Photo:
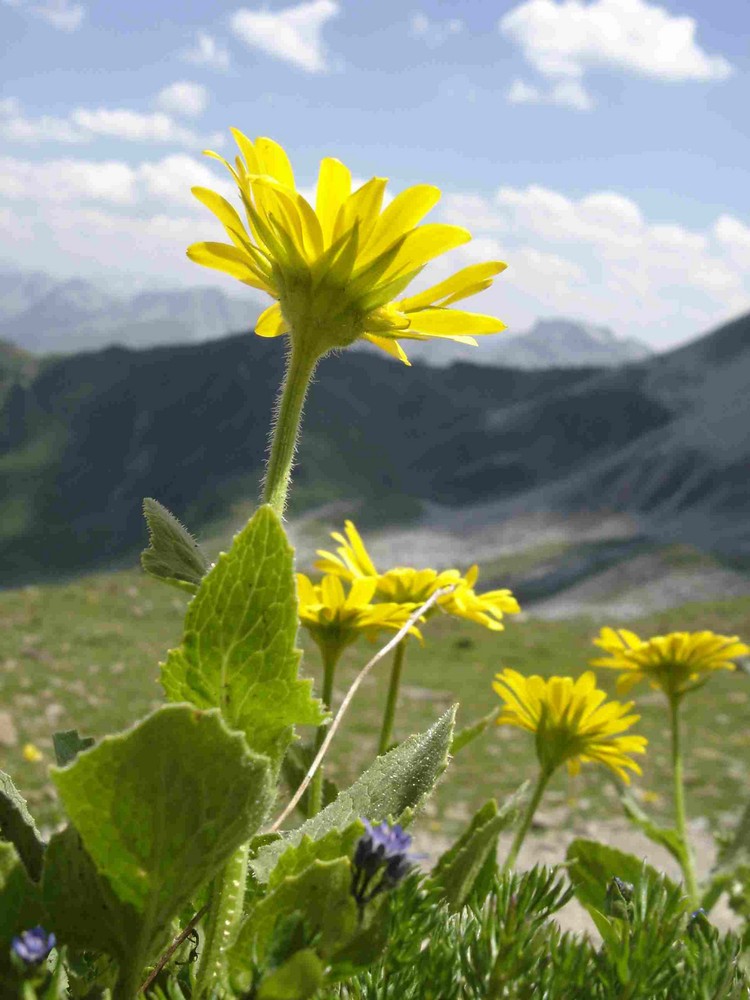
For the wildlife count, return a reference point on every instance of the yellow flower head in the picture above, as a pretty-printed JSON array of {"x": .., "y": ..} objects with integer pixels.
[
  {"x": 572, "y": 721},
  {"x": 674, "y": 663},
  {"x": 32, "y": 753},
  {"x": 336, "y": 619},
  {"x": 352, "y": 561},
  {"x": 336, "y": 270}
]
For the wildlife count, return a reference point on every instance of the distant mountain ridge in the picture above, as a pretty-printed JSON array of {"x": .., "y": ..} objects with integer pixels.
[
  {"x": 42, "y": 315},
  {"x": 85, "y": 437}
]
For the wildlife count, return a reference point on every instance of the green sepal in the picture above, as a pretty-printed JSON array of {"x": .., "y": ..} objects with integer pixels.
[
  {"x": 173, "y": 555},
  {"x": 161, "y": 808},
  {"x": 17, "y": 826},
  {"x": 468, "y": 864},
  {"x": 299, "y": 978},
  {"x": 238, "y": 651},
  {"x": 665, "y": 836},
  {"x": 471, "y": 732},
  {"x": 397, "y": 781},
  {"x": 68, "y": 744}
]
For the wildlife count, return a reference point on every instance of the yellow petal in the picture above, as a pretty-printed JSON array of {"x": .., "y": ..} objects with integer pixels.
[
  {"x": 274, "y": 161},
  {"x": 451, "y": 321},
  {"x": 252, "y": 161},
  {"x": 220, "y": 158},
  {"x": 386, "y": 319},
  {"x": 364, "y": 204},
  {"x": 228, "y": 259},
  {"x": 334, "y": 187},
  {"x": 271, "y": 322},
  {"x": 391, "y": 347},
  {"x": 404, "y": 213},
  {"x": 456, "y": 287},
  {"x": 423, "y": 244}
]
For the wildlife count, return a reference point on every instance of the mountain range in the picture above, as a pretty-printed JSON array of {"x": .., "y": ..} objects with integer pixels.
[
  {"x": 84, "y": 437},
  {"x": 42, "y": 315}
]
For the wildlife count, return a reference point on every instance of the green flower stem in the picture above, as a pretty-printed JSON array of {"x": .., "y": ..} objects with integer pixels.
[
  {"x": 688, "y": 865},
  {"x": 331, "y": 656},
  {"x": 226, "y": 899},
  {"x": 523, "y": 829},
  {"x": 386, "y": 731},
  {"x": 300, "y": 368}
]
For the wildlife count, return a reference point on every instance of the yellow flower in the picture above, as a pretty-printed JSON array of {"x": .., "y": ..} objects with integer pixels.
[
  {"x": 352, "y": 561},
  {"x": 674, "y": 663},
  {"x": 32, "y": 753},
  {"x": 336, "y": 619},
  {"x": 337, "y": 270},
  {"x": 572, "y": 721}
]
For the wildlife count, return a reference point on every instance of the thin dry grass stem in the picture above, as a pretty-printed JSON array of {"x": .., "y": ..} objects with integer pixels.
[{"x": 391, "y": 644}]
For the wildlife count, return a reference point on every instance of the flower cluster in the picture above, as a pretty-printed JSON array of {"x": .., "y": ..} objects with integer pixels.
[
  {"x": 381, "y": 860},
  {"x": 32, "y": 947}
]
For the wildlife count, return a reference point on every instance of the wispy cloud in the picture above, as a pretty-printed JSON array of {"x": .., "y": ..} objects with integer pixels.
[
  {"x": 294, "y": 34},
  {"x": 60, "y": 14},
  {"x": 183, "y": 98},
  {"x": 207, "y": 52},
  {"x": 564, "y": 93},
  {"x": 434, "y": 32}
]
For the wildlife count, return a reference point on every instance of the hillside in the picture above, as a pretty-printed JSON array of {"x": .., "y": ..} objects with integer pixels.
[{"x": 91, "y": 434}]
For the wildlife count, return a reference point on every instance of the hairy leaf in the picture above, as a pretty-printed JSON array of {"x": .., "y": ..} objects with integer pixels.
[
  {"x": 297, "y": 979},
  {"x": 396, "y": 782},
  {"x": 238, "y": 652},
  {"x": 18, "y": 827},
  {"x": 173, "y": 554},
  {"x": 162, "y": 807}
]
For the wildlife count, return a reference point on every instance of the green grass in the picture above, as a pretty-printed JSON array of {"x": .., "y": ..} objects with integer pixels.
[{"x": 85, "y": 655}]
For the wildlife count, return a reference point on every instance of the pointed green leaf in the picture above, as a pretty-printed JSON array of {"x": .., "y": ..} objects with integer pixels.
[
  {"x": 397, "y": 781},
  {"x": 173, "y": 554},
  {"x": 592, "y": 866},
  {"x": 18, "y": 827},
  {"x": 666, "y": 836},
  {"x": 238, "y": 652},
  {"x": 469, "y": 733},
  {"x": 458, "y": 870},
  {"x": 161, "y": 808},
  {"x": 68, "y": 744}
]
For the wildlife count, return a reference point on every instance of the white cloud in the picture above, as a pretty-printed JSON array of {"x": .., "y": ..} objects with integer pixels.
[
  {"x": 434, "y": 33},
  {"x": 599, "y": 258},
  {"x": 207, "y": 52},
  {"x": 183, "y": 98},
  {"x": 60, "y": 14},
  {"x": 171, "y": 179},
  {"x": 567, "y": 38},
  {"x": 68, "y": 181},
  {"x": 84, "y": 124},
  {"x": 293, "y": 34},
  {"x": 563, "y": 93}
]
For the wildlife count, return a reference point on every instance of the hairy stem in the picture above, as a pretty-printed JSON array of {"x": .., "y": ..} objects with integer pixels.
[
  {"x": 225, "y": 912},
  {"x": 528, "y": 816},
  {"x": 315, "y": 795},
  {"x": 688, "y": 865},
  {"x": 386, "y": 731},
  {"x": 285, "y": 431}
]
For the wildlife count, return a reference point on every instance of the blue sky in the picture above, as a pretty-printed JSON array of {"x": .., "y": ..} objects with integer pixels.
[{"x": 599, "y": 146}]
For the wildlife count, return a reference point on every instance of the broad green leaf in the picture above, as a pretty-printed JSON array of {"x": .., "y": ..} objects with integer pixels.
[
  {"x": 68, "y": 744},
  {"x": 20, "y": 909},
  {"x": 591, "y": 867},
  {"x": 161, "y": 808},
  {"x": 81, "y": 904},
  {"x": 469, "y": 733},
  {"x": 297, "y": 979},
  {"x": 457, "y": 871},
  {"x": 396, "y": 782},
  {"x": 666, "y": 836},
  {"x": 173, "y": 554},
  {"x": 18, "y": 827},
  {"x": 238, "y": 652}
]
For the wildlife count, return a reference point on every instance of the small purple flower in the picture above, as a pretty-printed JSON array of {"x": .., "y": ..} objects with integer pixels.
[
  {"x": 383, "y": 850},
  {"x": 33, "y": 946}
]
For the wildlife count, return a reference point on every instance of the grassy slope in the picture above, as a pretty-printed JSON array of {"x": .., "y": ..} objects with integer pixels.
[{"x": 85, "y": 655}]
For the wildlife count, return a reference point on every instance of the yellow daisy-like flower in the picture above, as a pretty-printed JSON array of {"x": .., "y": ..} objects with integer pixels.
[
  {"x": 336, "y": 619},
  {"x": 572, "y": 721},
  {"x": 352, "y": 561},
  {"x": 32, "y": 753},
  {"x": 336, "y": 270},
  {"x": 675, "y": 663}
]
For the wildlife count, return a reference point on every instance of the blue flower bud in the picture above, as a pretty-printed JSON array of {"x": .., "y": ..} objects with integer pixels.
[
  {"x": 381, "y": 850},
  {"x": 33, "y": 946}
]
